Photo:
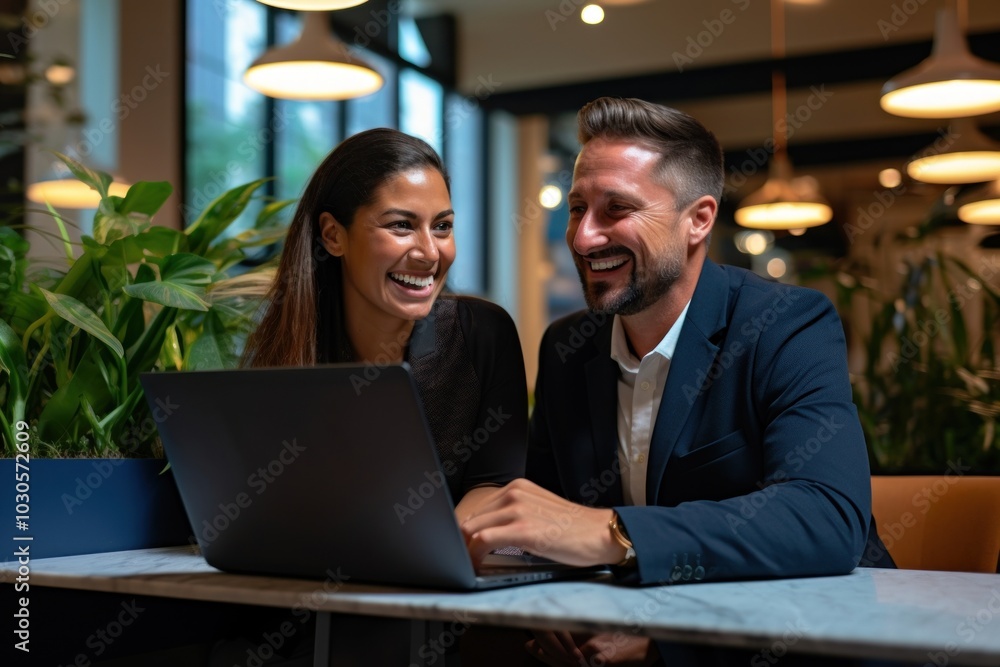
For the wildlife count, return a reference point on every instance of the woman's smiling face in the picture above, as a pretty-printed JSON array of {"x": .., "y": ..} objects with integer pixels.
[{"x": 397, "y": 251}]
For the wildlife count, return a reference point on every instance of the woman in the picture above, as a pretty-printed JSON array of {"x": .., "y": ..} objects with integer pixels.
[{"x": 364, "y": 264}]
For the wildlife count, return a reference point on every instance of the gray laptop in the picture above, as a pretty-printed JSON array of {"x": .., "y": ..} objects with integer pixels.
[{"x": 319, "y": 472}]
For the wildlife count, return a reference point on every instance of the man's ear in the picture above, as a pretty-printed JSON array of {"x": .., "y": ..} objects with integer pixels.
[
  {"x": 703, "y": 214},
  {"x": 333, "y": 234}
]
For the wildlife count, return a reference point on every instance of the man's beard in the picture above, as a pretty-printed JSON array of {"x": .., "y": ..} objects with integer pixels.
[{"x": 641, "y": 291}]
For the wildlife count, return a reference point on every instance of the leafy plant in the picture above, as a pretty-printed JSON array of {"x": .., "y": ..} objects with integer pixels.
[
  {"x": 928, "y": 388},
  {"x": 138, "y": 297}
]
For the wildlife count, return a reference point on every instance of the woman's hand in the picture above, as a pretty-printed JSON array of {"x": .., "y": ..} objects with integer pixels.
[{"x": 471, "y": 502}]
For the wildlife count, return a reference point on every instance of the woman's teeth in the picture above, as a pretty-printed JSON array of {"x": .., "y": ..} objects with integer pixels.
[{"x": 416, "y": 281}]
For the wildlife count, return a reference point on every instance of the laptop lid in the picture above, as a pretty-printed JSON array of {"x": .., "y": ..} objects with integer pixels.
[{"x": 314, "y": 472}]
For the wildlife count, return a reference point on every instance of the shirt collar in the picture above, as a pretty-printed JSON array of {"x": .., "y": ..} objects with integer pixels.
[{"x": 627, "y": 361}]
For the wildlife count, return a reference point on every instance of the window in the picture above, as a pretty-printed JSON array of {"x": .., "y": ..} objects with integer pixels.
[
  {"x": 235, "y": 135},
  {"x": 421, "y": 106},
  {"x": 228, "y": 129}
]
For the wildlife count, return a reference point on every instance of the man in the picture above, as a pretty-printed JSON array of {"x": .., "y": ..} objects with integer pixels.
[{"x": 696, "y": 423}]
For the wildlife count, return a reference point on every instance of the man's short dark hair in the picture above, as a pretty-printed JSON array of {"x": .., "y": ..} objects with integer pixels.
[{"x": 691, "y": 157}]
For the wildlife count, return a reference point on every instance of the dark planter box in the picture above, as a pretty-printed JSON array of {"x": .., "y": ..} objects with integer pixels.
[{"x": 82, "y": 506}]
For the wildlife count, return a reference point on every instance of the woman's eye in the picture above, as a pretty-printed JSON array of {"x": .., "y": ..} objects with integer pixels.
[
  {"x": 401, "y": 224},
  {"x": 444, "y": 226}
]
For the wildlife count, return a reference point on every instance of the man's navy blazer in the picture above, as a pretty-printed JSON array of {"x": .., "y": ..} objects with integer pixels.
[{"x": 757, "y": 465}]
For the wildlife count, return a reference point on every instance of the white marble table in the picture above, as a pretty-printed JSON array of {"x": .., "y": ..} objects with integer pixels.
[{"x": 898, "y": 614}]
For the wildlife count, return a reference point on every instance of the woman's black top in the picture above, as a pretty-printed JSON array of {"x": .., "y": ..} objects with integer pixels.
[{"x": 467, "y": 362}]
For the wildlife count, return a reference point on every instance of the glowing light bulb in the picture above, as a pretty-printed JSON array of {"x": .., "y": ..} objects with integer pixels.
[{"x": 592, "y": 14}]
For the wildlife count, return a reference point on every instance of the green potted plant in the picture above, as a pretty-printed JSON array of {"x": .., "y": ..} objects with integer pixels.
[
  {"x": 136, "y": 297},
  {"x": 928, "y": 384}
]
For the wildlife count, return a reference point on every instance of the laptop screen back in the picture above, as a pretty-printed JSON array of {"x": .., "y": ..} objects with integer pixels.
[{"x": 311, "y": 472}]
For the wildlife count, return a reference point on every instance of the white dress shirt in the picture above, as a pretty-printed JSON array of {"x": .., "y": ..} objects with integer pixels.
[{"x": 640, "y": 390}]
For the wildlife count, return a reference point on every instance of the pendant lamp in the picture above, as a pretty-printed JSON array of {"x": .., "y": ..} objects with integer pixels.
[
  {"x": 316, "y": 66},
  {"x": 971, "y": 157},
  {"x": 951, "y": 83},
  {"x": 60, "y": 189},
  {"x": 313, "y": 5},
  {"x": 982, "y": 205},
  {"x": 783, "y": 202}
]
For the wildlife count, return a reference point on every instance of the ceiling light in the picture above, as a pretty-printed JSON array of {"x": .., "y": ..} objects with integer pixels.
[
  {"x": 316, "y": 66},
  {"x": 981, "y": 206},
  {"x": 776, "y": 267},
  {"x": 783, "y": 202},
  {"x": 592, "y": 14},
  {"x": 550, "y": 196},
  {"x": 890, "y": 178},
  {"x": 971, "y": 158},
  {"x": 59, "y": 75},
  {"x": 950, "y": 83},
  {"x": 756, "y": 243},
  {"x": 70, "y": 193},
  {"x": 753, "y": 242},
  {"x": 313, "y": 5}
]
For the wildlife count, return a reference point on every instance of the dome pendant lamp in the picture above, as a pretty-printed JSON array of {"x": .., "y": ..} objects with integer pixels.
[
  {"x": 968, "y": 157},
  {"x": 783, "y": 202},
  {"x": 982, "y": 205},
  {"x": 951, "y": 83},
  {"x": 316, "y": 66},
  {"x": 313, "y": 5}
]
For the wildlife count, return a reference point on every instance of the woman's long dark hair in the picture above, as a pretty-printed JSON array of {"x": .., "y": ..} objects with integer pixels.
[{"x": 303, "y": 323}]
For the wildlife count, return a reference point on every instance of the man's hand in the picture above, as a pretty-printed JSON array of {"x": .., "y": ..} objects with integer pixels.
[
  {"x": 525, "y": 515},
  {"x": 572, "y": 649}
]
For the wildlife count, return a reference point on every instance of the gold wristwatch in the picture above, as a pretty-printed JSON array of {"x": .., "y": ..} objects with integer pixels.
[{"x": 618, "y": 533}]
